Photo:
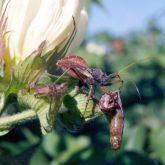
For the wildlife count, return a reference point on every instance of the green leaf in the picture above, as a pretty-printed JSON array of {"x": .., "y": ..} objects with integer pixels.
[
  {"x": 29, "y": 70},
  {"x": 39, "y": 157},
  {"x": 2, "y": 101},
  {"x": 5, "y": 129},
  {"x": 135, "y": 158},
  {"x": 135, "y": 137},
  {"x": 157, "y": 143},
  {"x": 51, "y": 143},
  {"x": 72, "y": 114},
  {"x": 45, "y": 108},
  {"x": 73, "y": 148}
]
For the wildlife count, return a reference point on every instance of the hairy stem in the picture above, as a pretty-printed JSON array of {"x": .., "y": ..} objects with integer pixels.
[{"x": 17, "y": 118}]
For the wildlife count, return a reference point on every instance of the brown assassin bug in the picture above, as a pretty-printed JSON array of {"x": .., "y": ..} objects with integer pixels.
[
  {"x": 78, "y": 68},
  {"x": 110, "y": 104}
]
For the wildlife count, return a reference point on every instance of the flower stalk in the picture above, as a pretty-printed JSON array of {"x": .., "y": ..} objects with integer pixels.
[{"x": 17, "y": 118}]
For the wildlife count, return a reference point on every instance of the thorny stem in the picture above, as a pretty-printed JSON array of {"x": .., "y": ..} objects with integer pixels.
[{"x": 17, "y": 118}]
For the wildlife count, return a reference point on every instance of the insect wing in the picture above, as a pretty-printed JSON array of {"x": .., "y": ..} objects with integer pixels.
[
  {"x": 75, "y": 59},
  {"x": 75, "y": 66}
]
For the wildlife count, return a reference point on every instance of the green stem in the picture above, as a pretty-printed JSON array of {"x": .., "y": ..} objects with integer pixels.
[{"x": 17, "y": 118}]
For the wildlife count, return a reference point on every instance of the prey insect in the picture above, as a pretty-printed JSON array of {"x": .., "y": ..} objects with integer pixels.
[
  {"x": 110, "y": 103},
  {"x": 52, "y": 95},
  {"x": 78, "y": 68},
  {"x": 49, "y": 90}
]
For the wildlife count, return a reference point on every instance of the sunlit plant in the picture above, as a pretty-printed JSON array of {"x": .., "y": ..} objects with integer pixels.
[
  {"x": 34, "y": 38},
  {"x": 34, "y": 35}
]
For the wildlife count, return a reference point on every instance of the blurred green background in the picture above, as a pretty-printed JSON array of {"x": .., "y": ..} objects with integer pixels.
[{"x": 144, "y": 130}]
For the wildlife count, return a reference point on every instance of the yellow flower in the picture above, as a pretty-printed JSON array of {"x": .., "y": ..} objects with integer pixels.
[{"x": 30, "y": 22}]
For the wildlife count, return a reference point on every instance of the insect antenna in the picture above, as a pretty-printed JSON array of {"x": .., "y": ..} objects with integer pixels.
[
  {"x": 133, "y": 64},
  {"x": 61, "y": 75},
  {"x": 136, "y": 87},
  {"x": 121, "y": 72}
]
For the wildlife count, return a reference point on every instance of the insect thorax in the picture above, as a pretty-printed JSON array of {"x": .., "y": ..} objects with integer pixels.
[{"x": 100, "y": 78}]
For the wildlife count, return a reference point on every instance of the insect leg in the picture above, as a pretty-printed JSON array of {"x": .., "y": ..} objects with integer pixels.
[
  {"x": 105, "y": 89},
  {"x": 81, "y": 82},
  {"x": 115, "y": 75},
  {"x": 90, "y": 94},
  {"x": 79, "y": 85},
  {"x": 115, "y": 82}
]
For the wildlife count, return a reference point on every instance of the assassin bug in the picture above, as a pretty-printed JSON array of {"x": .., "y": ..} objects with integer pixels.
[
  {"x": 77, "y": 67},
  {"x": 110, "y": 103}
]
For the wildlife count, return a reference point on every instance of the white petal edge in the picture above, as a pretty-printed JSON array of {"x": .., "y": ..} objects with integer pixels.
[{"x": 56, "y": 30}]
